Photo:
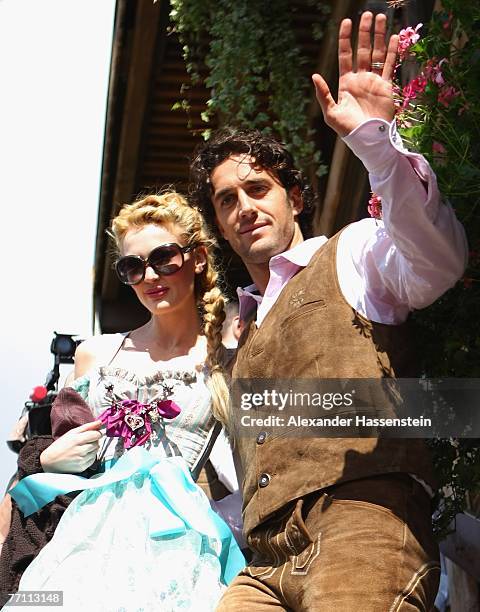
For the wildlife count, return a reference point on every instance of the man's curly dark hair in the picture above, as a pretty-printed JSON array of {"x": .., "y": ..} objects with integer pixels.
[{"x": 269, "y": 154}]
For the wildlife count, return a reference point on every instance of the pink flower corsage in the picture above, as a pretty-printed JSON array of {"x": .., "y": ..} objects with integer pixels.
[{"x": 132, "y": 420}]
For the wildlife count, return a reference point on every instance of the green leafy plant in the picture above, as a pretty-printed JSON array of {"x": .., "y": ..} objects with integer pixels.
[
  {"x": 246, "y": 54},
  {"x": 439, "y": 116}
]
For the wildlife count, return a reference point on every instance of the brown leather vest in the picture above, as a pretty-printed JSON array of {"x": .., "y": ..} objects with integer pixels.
[{"x": 312, "y": 332}]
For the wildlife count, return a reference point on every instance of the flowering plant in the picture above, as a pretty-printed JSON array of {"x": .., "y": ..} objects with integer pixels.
[
  {"x": 439, "y": 116},
  {"x": 407, "y": 38}
]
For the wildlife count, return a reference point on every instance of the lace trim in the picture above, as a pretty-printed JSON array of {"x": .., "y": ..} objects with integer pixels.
[{"x": 186, "y": 376}]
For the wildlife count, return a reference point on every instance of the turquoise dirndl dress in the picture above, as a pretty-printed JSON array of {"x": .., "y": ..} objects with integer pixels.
[{"x": 141, "y": 536}]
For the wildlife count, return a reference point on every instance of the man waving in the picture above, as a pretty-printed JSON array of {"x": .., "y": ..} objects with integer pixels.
[{"x": 334, "y": 523}]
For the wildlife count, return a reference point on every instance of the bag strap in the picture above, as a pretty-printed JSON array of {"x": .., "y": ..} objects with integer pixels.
[
  {"x": 118, "y": 343},
  {"x": 207, "y": 449}
]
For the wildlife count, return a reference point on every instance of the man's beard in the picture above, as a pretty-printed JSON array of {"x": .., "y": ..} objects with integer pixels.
[{"x": 263, "y": 249}]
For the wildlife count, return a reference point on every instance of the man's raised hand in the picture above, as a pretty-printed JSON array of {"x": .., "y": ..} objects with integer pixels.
[{"x": 365, "y": 93}]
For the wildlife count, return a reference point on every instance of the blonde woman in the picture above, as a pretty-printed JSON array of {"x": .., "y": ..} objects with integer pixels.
[{"x": 141, "y": 535}]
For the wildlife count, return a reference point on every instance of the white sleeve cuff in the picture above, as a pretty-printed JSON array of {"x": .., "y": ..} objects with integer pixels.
[{"x": 377, "y": 144}]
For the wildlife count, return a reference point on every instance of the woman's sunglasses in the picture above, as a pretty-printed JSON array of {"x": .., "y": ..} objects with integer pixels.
[{"x": 165, "y": 259}]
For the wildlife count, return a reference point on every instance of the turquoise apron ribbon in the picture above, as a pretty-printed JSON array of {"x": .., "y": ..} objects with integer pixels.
[{"x": 182, "y": 504}]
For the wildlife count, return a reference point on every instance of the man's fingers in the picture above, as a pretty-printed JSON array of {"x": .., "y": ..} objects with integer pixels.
[
  {"x": 323, "y": 94},
  {"x": 379, "y": 46},
  {"x": 364, "y": 48},
  {"x": 345, "y": 47},
  {"x": 391, "y": 59}
]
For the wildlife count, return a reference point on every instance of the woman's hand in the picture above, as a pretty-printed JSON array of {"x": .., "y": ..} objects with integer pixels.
[{"x": 73, "y": 452}]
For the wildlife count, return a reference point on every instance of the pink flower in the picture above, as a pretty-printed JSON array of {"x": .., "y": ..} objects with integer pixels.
[
  {"x": 433, "y": 71},
  {"x": 407, "y": 38},
  {"x": 439, "y": 153},
  {"x": 412, "y": 89},
  {"x": 447, "y": 94},
  {"x": 437, "y": 147},
  {"x": 448, "y": 21},
  {"x": 397, "y": 97},
  {"x": 403, "y": 121},
  {"x": 375, "y": 206}
]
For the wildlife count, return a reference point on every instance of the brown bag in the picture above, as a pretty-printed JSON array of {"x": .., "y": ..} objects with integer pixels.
[{"x": 69, "y": 410}]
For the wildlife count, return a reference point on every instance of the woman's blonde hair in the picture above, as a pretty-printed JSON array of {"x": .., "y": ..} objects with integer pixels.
[{"x": 172, "y": 209}]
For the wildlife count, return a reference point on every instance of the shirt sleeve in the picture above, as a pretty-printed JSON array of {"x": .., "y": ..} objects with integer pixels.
[
  {"x": 221, "y": 458},
  {"x": 418, "y": 251}
]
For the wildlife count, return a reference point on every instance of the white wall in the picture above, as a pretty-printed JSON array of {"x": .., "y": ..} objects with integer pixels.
[{"x": 54, "y": 65}]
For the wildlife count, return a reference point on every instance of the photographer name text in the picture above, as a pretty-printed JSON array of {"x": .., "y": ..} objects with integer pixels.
[{"x": 358, "y": 420}]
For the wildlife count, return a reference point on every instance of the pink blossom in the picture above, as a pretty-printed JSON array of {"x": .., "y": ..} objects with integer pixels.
[
  {"x": 437, "y": 147},
  {"x": 447, "y": 94},
  {"x": 407, "y": 38},
  {"x": 412, "y": 89},
  {"x": 433, "y": 71},
  {"x": 440, "y": 153},
  {"x": 448, "y": 21},
  {"x": 404, "y": 122},
  {"x": 397, "y": 97},
  {"x": 375, "y": 206}
]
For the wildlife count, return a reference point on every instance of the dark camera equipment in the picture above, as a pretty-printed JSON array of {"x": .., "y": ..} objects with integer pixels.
[
  {"x": 38, "y": 408},
  {"x": 63, "y": 347}
]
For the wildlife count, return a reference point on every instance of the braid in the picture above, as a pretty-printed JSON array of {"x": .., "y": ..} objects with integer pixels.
[{"x": 213, "y": 304}]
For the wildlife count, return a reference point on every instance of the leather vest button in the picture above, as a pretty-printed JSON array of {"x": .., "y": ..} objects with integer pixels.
[
  {"x": 264, "y": 480},
  {"x": 262, "y": 436}
]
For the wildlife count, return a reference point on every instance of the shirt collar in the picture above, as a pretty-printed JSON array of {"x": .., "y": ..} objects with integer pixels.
[{"x": 300, "y": 256}]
